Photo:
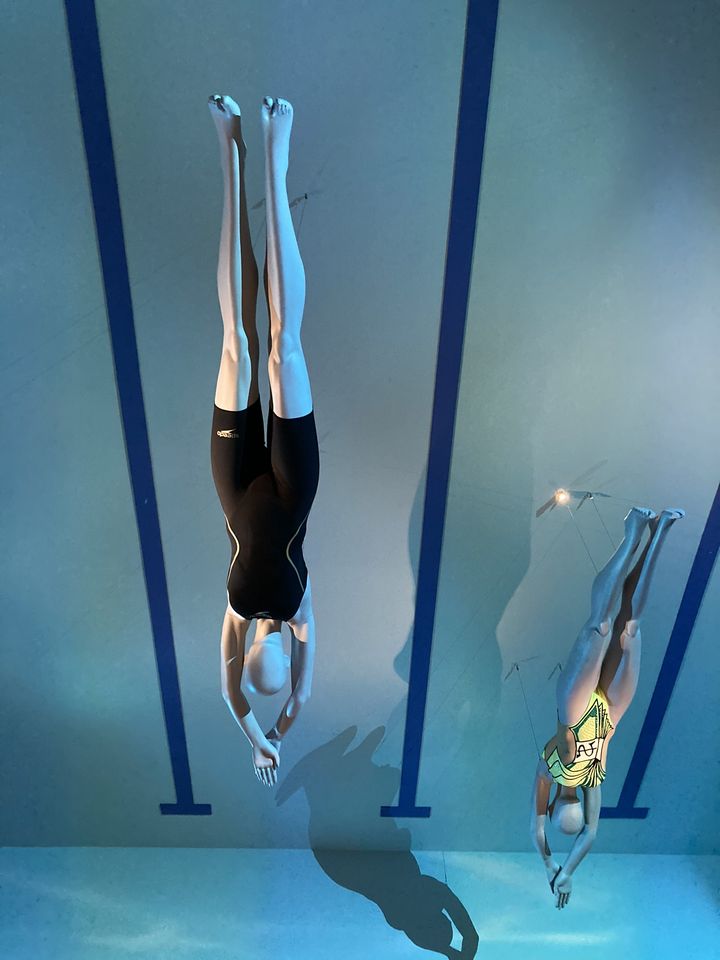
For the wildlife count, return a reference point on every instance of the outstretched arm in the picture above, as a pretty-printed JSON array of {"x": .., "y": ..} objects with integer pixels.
[
  {"x": 232, "y": 645},
  {"x": 538, "y": 815},
  {"x": 583, "y": 841},
  {"x": 302, "y": 626}
]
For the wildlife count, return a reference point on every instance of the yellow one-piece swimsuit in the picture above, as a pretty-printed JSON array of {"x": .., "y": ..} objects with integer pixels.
[{"x": 590, "y": 732}]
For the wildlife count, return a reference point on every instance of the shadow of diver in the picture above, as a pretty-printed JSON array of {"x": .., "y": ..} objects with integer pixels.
[{"x": 344, "y": 792}]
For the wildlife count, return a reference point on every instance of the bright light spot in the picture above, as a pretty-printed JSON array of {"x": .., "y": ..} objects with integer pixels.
[{"x": 562, "y": 497}]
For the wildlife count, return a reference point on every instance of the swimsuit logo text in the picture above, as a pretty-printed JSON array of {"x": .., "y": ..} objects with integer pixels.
[
  {"x": 228, "y": 434},
  {"x": 588, "y": 749}
]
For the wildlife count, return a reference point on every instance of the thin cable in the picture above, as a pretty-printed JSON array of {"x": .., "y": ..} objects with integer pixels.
[
  {"x": 587, "y": 549},
  {"x": 302, "y": 215},
  {"x": 592, "y": 499},
  {"x": 527, "y": 708}
]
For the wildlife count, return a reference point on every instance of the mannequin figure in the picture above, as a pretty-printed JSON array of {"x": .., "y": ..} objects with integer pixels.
[
  {"x": 594, "y": 690},
  {"x": 266, "y": 491}
]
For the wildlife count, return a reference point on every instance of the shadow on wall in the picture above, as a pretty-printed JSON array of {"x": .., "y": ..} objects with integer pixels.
[
  {"x": 345, "y": 790},
  {"x": 486, "y": 555},
  {"x": 401, "y": 662}
]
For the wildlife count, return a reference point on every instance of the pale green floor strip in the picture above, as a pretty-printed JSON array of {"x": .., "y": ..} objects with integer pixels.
[{"x": 153, "y": 904}]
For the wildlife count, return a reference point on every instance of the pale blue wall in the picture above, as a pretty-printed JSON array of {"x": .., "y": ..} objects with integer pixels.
[{"x": 591, "y": 336}]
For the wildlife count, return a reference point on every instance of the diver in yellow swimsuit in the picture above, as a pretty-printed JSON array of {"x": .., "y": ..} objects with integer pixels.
[{"x": 594, "y": 690}]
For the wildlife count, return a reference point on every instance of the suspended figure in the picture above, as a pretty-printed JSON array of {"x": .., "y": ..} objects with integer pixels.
[
  {"x": 594, "y": 690},
  {"x": 267, "y": 485}
]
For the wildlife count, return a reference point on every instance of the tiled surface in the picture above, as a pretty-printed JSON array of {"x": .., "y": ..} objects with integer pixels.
[{"x": 153, "y": 904}]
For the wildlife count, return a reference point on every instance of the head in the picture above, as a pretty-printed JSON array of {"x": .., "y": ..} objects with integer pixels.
[
  {"x": 566, "y": 813},
  {"x": 266, "y": 663}
]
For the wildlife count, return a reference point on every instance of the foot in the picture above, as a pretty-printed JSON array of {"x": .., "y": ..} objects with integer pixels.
[
  {"x": 228, "y": 123},
  {"x": 669, "y": 516},
  {"x": 636, "y": 521},
  {"x": 638, "y": 517},
  {"x": 277, "y": 118}
]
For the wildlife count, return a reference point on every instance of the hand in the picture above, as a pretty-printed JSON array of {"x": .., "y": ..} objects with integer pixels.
[
  {"x": 266, "y": 760},
  {"x": 563, "y": 889},
  {"x": 552, "y": 869}
]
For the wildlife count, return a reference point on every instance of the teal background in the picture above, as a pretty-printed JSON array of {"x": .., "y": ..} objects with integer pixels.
[{"x": 592, "y": 336}]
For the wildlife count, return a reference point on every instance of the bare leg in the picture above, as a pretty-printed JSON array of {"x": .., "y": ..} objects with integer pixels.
[
  {"x": 581, "y": 672},
  {"x": 237, "y": 273},
  {"x": 621, "y": 666},
  {"x": 289, "y": 380}
]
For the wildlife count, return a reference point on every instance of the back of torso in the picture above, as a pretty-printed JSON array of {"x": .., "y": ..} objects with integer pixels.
[
  {"x": 581, "y": 748},
  {"x": 267, "y": 570}
]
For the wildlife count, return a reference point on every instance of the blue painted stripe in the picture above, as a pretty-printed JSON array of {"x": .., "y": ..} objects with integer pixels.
[
  {"x": 92, "y": 103},
  {"x": 469, "y": 147},
  {"x": 695, "y": 588}
]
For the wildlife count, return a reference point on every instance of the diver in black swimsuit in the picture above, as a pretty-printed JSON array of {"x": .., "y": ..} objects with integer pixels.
[{"x": 266, "y": 490}]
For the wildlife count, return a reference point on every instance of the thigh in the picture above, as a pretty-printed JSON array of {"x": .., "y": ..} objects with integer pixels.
[
  {"x": 295, "y": 460},
  {"x": 619, "y": 681},
  {"x": 580, "y": 674},
  {"x": 237, "y": 452},
  {"x": 290, "y": 382},
  {"x": 613, "y": 657}
]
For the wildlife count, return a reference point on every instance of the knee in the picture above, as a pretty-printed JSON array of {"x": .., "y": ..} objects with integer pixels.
[
  {"x": 285, "y": 348},
  {"x": 630, "y": 637},
  {"x": 235, "y": 345},
  {"x": 593, "y": 625}
]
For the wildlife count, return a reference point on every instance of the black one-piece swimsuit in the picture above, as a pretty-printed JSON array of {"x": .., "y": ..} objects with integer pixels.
[{"x": 266, "y": 492}]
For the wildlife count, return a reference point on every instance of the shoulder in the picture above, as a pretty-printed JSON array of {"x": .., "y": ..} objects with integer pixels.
[
  {"x": 234, "y": 623},
  {"x": 304, "y": 614},
  {"x": 231, "y": 614},
  {"x": 541, "y": 770}
]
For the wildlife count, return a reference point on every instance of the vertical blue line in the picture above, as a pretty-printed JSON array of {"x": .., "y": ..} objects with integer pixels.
[
  {"x": 92, "y": 104},
  {"x": 470, "y": 142},
  {"x": 687, "y": 614}
]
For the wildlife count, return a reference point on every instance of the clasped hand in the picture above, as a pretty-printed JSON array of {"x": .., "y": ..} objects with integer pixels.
[
  {"x": 562, "y": 888},
  {"x": 266, "y": 755},
  {"x": 266, "y": 761}
]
